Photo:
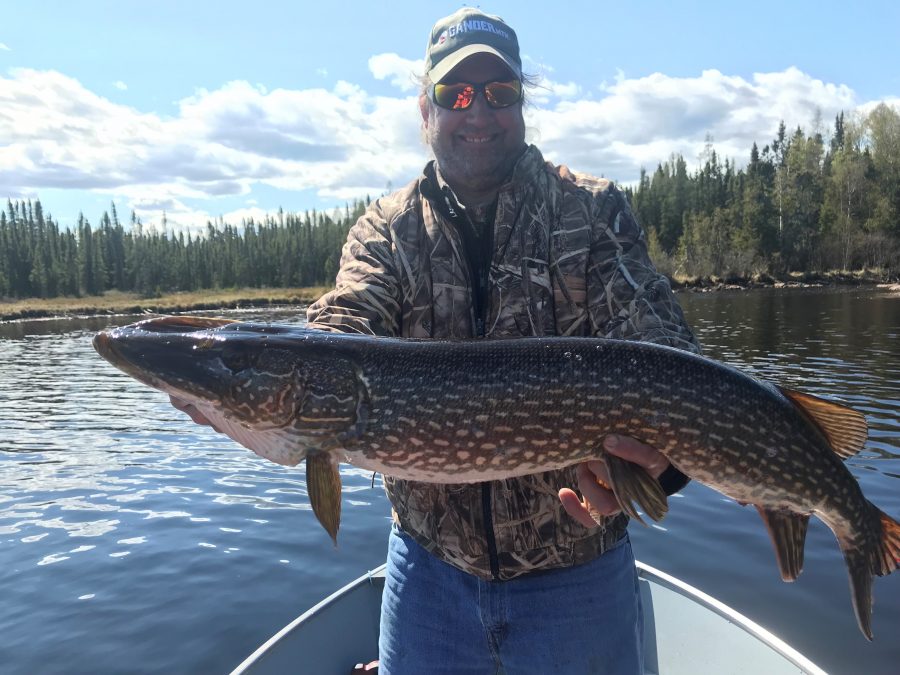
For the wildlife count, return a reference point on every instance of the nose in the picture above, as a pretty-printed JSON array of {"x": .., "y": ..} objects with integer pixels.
[{"x": 479, "y": 113}]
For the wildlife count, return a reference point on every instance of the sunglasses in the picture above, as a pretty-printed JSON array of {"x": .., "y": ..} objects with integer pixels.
[{"x": 461, "y": 95}]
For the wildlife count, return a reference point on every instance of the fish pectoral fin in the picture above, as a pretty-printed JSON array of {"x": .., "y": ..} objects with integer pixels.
[
  {"x": 845, "y": 428},
  {"x": 787, "y": 530},
  {"x": 631, "y": 483},
  {"x": 323, "y": 483}
]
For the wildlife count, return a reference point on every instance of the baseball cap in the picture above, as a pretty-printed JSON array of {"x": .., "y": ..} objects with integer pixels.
[{"x": 465, "y": 32}]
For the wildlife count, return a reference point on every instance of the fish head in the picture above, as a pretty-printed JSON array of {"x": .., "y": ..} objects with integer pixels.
[
  {"x": 260, "y": 376},
  {"x": 209, "y": 363}
]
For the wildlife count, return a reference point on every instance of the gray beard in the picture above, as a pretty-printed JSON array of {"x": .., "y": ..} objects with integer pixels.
[{"x": 479, "y": 174}]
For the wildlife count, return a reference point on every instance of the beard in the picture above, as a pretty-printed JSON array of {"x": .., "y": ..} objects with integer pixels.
[{"x": 476, "y": 166}]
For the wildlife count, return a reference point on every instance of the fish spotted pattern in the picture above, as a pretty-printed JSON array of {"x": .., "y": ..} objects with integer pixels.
[{"x": 513, "y": 407}]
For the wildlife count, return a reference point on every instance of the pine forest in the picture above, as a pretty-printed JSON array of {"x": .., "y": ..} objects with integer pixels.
[{"x": 806, "y": 202}]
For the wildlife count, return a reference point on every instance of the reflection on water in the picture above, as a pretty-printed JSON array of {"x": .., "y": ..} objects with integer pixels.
[{"x": 124, "y": 528}]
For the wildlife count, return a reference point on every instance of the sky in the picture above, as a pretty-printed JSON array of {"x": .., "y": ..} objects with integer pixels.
[{"x": 204, "y": 110}]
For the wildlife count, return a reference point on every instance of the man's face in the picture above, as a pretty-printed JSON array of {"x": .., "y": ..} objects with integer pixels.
[{"x": 475, "y": 148}]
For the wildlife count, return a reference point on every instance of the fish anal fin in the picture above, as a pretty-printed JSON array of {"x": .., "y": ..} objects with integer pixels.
[
  {"x": 845, "y": 428},
  {"x": 631, "y": 483},
  {"x": 787, "y": 530},
  {"x": 323, "y": 484}
]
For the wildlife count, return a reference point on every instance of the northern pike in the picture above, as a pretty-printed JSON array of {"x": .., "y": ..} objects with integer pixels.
[{"x": 478, "y": 410}]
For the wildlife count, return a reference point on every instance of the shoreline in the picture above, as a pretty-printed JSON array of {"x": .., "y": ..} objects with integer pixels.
[{"x": 116, "y": 302}]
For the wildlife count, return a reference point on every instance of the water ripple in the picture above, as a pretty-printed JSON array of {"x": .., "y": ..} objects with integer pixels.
[{"x": 120, "y": 517}]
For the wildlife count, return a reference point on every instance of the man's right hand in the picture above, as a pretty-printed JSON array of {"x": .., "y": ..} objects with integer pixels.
[{"x": 191, "y": 412}]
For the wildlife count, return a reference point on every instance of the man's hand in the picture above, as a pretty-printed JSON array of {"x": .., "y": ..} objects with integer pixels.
[
  {"x": 191, "y": 412},
  {"x": 593, "y": 479}
]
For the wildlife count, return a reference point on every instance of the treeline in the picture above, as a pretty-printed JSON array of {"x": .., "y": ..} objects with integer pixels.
[
  {"x": 38, "y": 258},
  {"x": 801, "y": 204}
]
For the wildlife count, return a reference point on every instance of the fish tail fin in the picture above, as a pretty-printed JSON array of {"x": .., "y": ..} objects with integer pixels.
[
  {"x": 888, "y": 558},
  {"x": 864, "y": 563},
  {"x": 858, "y": 567}
]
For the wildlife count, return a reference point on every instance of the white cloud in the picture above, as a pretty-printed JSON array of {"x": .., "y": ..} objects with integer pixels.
[
  {"x": 547, "y": 89},
  {"x": 322, "y": 72},
  {"x": 642, "y": 121},
  {"x": 220, "y": 142},
  {"x": 401, "y": 72},
  {"x": 4, "y": 48},
  {"x": 121, "y": 86},
  {"x": 344, "y": 142}
]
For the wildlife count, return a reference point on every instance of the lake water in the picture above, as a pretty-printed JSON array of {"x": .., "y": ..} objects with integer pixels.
[{"x": 132, "y": 540}]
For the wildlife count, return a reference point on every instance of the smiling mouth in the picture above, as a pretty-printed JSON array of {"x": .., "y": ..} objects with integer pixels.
[{"x": 479, "y": 139}]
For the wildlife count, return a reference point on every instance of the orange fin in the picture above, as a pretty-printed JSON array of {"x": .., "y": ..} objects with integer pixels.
[
  {"x": 787, "y": 530},
  {"x": 890, "y": 545},
  {"x": 323, "y": 485},
  {"x": 845, "y": 428}
]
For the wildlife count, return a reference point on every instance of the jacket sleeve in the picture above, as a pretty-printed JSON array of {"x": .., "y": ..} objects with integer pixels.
[
  {"x": 366, "y": 295},
  {"x": 627, "y": 298}
]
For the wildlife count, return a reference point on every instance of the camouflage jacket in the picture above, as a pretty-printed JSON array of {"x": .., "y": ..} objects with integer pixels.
[{"x": 568, "y": 259}]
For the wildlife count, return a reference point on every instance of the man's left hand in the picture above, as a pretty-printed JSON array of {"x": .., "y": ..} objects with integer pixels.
[{"x": 593, "y": 479}]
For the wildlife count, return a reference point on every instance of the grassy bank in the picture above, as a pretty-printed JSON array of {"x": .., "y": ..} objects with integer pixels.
[{"x": 115, "y": 302}]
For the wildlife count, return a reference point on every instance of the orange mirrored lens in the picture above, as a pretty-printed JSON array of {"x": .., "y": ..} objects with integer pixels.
[
  {"x": 461, "y": 95},
  {"x": 454, "y": 96}
]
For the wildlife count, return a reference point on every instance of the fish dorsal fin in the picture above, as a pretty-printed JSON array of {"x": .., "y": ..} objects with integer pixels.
[
  {"x": 788, "y": 534},
  {"x": 845, "y": 428}
]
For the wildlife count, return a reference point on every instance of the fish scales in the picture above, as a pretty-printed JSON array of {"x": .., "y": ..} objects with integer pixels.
[{"x": 477, "y": 410}]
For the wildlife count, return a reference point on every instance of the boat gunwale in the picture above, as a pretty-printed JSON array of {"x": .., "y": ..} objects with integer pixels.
[
  {"x": 645, "y": 571},
  {"x": 718, "y": 607}
]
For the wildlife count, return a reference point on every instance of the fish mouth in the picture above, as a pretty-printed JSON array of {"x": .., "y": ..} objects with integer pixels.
[
  {"x": 107, "y": 343},
  {"x": 161, "y": 352}
]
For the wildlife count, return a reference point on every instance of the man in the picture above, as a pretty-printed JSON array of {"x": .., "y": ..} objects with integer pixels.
[
  {"x": 492, "y": 242},
  {"x": 522, "y": 575}
]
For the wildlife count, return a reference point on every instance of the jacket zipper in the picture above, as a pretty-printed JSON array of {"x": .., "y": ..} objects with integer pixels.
[
  {"x": 486, "y": 498},
  {"x": 478, "y": 256}
]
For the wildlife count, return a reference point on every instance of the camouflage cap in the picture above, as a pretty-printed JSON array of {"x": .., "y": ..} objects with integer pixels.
[{"x": 466, "y": 32}]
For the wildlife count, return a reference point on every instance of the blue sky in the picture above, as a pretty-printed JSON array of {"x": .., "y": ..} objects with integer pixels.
[{"x": 207, "y": 109}]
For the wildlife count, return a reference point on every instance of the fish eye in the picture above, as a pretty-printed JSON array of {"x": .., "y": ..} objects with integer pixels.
[{"x": 235, "y": 359}]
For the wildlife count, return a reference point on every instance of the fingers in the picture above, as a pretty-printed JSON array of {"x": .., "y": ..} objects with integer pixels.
[
  {"x": 598, "y": 500},
  {"x": 593, "y": 479},
  {"x": 576, "y": 508},
  {"x": 190, "y": 411},
  {"x": 566, "y": 173},
  {"x": 634, "y": 451},
  {"x": 179, "y": 404},
  {"x": 593, "y": 482}
]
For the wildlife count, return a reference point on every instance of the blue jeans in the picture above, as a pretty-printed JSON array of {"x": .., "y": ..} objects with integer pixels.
[{"x": 437, "y": 619}]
